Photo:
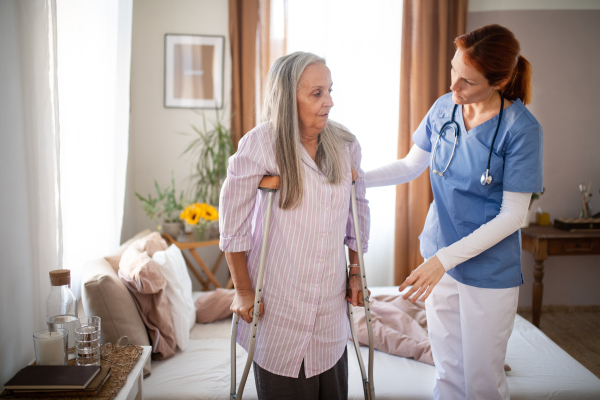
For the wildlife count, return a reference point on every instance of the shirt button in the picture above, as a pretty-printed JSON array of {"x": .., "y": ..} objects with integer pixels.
[
  {"x": 312, "y": 309},
  {"x": 324, "y": 235},
  {"x": 326, "y": 208},
  {"x": 320, "y": 260},
  {"x": 308, "y": 334},
  {"x": 316, "y": 285}
]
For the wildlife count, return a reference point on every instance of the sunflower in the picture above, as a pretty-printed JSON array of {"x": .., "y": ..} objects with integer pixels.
[
  {"x": 211, "y": 213},
  {"x": 194, "y": 212}
]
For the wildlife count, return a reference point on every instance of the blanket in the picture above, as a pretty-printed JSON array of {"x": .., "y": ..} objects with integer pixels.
[{"x": 399, "y": 326}]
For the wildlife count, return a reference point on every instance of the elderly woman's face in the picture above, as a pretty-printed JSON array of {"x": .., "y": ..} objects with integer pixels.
[{"x": 314, "y": 98}]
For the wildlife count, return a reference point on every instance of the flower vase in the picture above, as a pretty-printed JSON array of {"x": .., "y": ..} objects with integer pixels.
[
  {"x": 201, "y": 231},
  {"x": 213, "y": 230}
]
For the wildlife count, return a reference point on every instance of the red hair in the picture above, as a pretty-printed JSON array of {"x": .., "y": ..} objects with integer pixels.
[{"x": 494, "y": 51}]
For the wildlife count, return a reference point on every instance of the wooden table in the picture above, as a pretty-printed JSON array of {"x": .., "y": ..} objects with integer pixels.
[
  {"x": 191, "y": 246},
  {"x": 544, "y": 241}
]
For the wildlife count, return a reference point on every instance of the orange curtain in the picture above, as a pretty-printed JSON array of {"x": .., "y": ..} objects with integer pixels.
[
  {"x": 243, "y": 23},
  {"x": 255, "y": 43},
  {"x": 428, "y": 32},
  {"x": 272, "y": 38}
]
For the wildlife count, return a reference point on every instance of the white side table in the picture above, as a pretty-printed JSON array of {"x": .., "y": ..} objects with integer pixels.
[{"x": 133, "y": 386}]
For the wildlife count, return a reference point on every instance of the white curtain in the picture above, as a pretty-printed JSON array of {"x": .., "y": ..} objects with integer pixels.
[
  {"x": 361, "y": 43},
  {"x": 94, "y": 57},
  {"x": 65, "y": 63},
  {"x": 30, "y": 237}
]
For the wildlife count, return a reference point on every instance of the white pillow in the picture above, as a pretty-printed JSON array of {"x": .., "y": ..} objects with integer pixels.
[{"x": 179, "y": 292}]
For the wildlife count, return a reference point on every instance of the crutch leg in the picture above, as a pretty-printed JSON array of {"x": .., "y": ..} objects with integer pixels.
[
  {"x": 368, "y": 382},
  {"x": 269, "y": 184}
]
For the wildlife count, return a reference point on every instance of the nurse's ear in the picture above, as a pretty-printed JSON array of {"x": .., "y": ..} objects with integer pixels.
[{"x": 500, "y": 85}]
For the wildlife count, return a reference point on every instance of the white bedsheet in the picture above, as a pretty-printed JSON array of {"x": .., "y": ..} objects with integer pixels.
[{"x": 540, "y": 369}]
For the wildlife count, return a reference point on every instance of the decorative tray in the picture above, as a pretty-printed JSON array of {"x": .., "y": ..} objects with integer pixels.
[{"x": 568, "y": 224}]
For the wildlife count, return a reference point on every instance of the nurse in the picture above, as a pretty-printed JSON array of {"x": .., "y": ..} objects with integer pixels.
[{"x": 484, "y": 150}]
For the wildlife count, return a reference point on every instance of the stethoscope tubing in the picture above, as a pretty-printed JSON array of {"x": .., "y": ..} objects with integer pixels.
[{"x": 486, "y": 178}]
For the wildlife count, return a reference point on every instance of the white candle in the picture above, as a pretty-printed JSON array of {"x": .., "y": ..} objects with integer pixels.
[{"x": 51, "y": 348}]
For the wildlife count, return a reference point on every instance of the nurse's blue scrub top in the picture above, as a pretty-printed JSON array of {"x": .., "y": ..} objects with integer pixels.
[{"x": 462, "y": 204}]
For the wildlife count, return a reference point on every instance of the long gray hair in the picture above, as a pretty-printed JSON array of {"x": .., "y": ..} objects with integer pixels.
[{"x": 280, "y": 107}]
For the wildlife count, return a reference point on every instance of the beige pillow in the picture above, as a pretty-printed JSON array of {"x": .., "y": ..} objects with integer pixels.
[
  {"x": 114, "y": 258},
  {"x": 104, "y": 295},
  {"x": 145, "y": 281},
  {"x": 213, "y": 306}
]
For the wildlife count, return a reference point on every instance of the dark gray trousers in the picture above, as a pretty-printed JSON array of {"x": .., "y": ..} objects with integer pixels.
[{"x": 330, "y": 385}]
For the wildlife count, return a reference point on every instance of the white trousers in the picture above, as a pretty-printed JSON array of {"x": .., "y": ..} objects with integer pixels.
[{"x": 469, "y": 329}]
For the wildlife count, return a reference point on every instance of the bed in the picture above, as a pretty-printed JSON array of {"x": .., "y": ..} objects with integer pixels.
[{"x": 540, "y": 369}]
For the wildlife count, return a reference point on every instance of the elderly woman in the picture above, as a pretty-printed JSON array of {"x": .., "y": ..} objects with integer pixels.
[{"x": 301, "y": 341}]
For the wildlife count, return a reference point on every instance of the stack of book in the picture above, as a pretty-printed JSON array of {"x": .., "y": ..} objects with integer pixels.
[{"x": 58, "y": 381}]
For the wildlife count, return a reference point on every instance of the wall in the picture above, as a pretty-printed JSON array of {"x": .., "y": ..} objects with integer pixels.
[
  {"x": 562, "y": 46},
  {"x": 155, "y": 143}
]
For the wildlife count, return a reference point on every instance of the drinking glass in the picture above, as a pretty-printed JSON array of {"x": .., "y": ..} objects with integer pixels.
[{"x": 87, "y": 345}]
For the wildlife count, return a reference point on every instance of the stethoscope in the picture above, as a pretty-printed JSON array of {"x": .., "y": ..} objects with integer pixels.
[{"x": 486, "y": 178}]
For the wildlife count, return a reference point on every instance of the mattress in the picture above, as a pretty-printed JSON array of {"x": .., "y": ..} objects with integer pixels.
[{"x": 540, "y": 369}]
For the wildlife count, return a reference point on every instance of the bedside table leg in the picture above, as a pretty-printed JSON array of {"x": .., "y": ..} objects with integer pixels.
[{"x": 140, "y": 395}]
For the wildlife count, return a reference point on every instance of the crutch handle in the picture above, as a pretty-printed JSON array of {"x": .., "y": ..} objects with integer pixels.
[
  {"x": 354, "y": 175},
  {"x": 251, "y": 311},
  {"x": 269, "y": 182},
  {"x": 359, "y": 296}
]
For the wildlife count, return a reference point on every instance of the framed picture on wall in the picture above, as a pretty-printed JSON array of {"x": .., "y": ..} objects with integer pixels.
[{"x": 194, "y": 71}]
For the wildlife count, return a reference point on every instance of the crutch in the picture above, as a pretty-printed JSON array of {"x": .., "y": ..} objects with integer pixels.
[
  {"x": 368, "y": 387},
  {"x": 268, "y": 184}
]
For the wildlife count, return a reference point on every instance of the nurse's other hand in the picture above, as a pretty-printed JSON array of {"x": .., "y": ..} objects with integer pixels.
[
  {"x": 242, "y": 303},
  {"x": 423, "y": 280}
]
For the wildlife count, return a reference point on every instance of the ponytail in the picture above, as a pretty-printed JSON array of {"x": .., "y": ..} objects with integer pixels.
[{"x": 519, "y": 85}]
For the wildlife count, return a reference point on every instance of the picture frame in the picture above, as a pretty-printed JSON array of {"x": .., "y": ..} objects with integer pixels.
[{"x": 194, "y": 71}]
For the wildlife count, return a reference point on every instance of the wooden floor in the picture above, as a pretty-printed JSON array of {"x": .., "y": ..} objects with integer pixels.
[{"x": 575, "y": 329}]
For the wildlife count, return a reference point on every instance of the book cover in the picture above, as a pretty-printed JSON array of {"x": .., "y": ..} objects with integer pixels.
[
  {"x": 92, "y": 390},
  {"x": 53, "y": 377}
]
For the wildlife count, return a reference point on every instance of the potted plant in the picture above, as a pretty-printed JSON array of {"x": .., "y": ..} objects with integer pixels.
[
  {"x": 210, "y": 149},
  {"x": 164, "y": 208}
]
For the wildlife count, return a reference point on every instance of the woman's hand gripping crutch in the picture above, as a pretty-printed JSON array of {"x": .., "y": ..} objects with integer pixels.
[
  {"x": 363, "y": 295},
  {"x": 268, "y": 184}
]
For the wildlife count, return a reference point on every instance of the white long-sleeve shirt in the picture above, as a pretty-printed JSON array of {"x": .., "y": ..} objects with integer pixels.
[{"x": 512, "y": 210}]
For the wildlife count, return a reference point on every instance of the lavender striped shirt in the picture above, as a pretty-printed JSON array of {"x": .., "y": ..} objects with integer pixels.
[{"x": 305, "y": 274}]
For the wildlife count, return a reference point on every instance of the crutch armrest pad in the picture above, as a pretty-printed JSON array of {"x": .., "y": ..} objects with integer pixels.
[{"x": 269, "y": 182}]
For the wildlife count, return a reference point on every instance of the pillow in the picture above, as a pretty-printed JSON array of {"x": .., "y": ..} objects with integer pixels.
[
  {"x": 104, "y": 295},
  {"x": 179, "y": 292},
  {"x": 214, "y": 305},
  {"x": 145, "y": 281},
  {"x": 114, "y": 258}
]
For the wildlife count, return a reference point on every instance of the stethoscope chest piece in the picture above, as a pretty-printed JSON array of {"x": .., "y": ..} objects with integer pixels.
[{"x": 486, "y": 178}]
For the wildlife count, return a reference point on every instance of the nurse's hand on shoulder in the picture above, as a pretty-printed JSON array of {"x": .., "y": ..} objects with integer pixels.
[{"x": 423, "y": 280}]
